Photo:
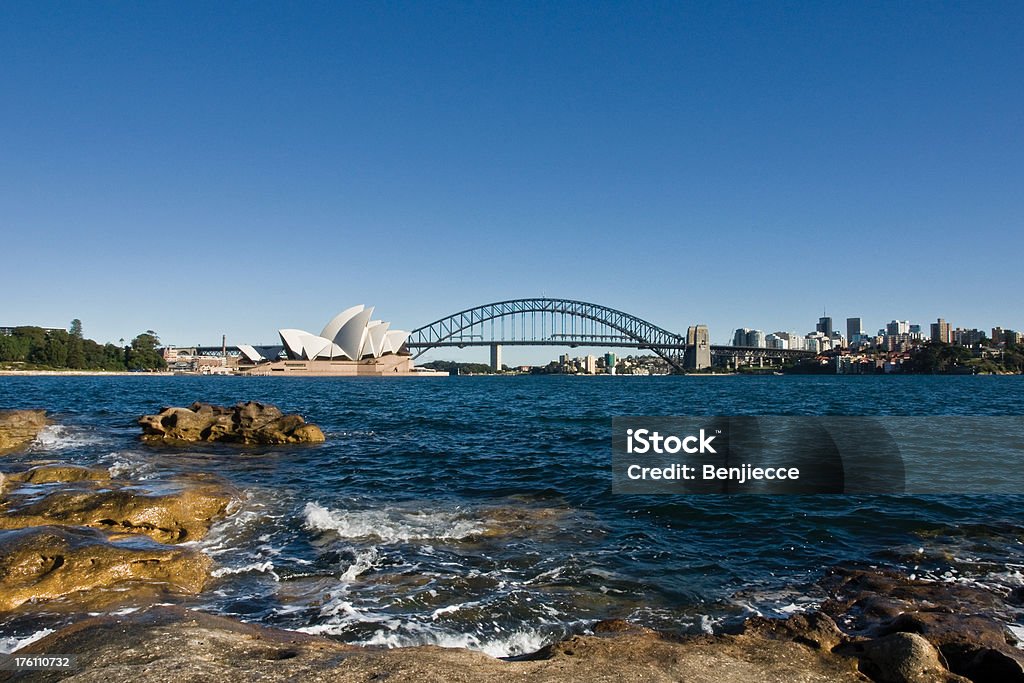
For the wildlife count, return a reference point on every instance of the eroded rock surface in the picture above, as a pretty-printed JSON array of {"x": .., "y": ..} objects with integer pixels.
[
  {"x": 246, "y": 423},
  {"x": 19, "y": 427},
  {"x": 47, "y": 562}
]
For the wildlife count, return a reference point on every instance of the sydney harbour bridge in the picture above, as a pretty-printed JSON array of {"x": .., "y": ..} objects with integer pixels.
[{"x": 565, "y": 322}]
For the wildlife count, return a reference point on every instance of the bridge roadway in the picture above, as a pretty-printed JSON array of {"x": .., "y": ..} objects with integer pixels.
[{"x": 624, "y": 343}]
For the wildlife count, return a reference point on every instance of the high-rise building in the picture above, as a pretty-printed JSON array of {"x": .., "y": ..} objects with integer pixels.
[
  {"x": 854, "y": 330},
  {"x": 824, "y": 326},
  {"x": 755, "y": 339},
  {"x": 739, "y": 337},
  {"x": 897, "y": 327},
  {"x": 964, "y": 337},
  {"x": 609, "y": 363},
  {"x": 941, "y": 332}
]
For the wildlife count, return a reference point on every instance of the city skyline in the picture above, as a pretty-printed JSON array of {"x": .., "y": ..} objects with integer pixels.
[
  {"x": 513, "y": 355},
  {"x": 182, "y": 169}
]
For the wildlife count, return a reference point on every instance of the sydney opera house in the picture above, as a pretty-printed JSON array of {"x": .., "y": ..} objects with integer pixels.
[{"x": 350, "y": 344}]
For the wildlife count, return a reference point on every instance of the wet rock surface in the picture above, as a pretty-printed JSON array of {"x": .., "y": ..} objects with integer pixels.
[
  {"x": 54, "y": 473},
  {"x": 19, "y": 427},
  {"x": 958, "y": 620},
  {"x": 47, "y": 562},
  {"x": 244, "y": 423},
  {"x": 169, "y": 512}
]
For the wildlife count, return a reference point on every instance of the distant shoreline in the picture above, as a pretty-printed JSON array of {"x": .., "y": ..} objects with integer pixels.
[{"x": 85, "y": 373}]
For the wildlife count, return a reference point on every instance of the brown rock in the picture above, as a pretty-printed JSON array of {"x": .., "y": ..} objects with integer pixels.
[
  {"x": 308, "y": 433},
  {"x": 813, "y": 629},
  {"x": 904, "y": 658},
  {"x": 954, "y": 618},
  {"x": 19, "y": 427},
  {"x": 58, "y": 472},
  {"x": 170, "y": 512},
  {"x": 975, "y": 646},
  {"x": 42, "y": 563},
  {"x": 247, "y": 423}
]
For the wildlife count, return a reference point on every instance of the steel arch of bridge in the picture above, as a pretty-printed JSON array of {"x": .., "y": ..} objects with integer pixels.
[{"x": 458, "y": 329}]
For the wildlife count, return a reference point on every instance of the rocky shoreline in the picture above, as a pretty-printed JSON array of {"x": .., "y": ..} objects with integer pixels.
[{"x": 77, "y": 540}]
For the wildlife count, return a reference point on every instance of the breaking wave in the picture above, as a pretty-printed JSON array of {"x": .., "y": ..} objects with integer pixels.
[{"x": 391, "y": 525}]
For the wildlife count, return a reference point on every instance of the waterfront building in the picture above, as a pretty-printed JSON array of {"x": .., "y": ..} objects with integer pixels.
[{"x": 349, "y": 344}]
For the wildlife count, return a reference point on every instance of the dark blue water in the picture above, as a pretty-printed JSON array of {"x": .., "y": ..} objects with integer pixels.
[{"x": 478, "y": 511}]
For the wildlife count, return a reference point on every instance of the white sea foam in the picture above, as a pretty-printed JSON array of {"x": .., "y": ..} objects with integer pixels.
[
  {"x": 128, "y": 465},
  {"x": 12, "y": 643},
  {"x": 59, "y": 437},
  {"x": 395, "y": 633},
  {"x": 258, "y": 567},
  {"x": 390, "y": 525},
  {"x": 365, "y": 561}
]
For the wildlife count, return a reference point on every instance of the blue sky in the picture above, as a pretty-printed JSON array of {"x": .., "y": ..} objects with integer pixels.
[{"x": 212, "y": 168}]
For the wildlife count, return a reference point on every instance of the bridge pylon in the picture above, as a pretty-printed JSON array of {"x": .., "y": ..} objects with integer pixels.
[{"x": 698, "y": 348}]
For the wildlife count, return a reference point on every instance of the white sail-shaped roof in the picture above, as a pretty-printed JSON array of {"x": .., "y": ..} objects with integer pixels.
[
  {"x": 374, "y": 345},
  {"x": 332, "y": 328},
  {"x": 394, "y": 340},
  {"x": 315, "y": 347},
  {"x": 251, "y": 353},
  {"x": 352, "y": 334},
  {"x": 292, "y": 340}
]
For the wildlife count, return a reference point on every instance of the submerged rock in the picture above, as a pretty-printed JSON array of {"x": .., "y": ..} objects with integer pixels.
[
  {"x": 47, "y": 562},
  {"x": 246, "y": 423},
  {"x": 169, "y": 512},
  {"x": 19, "y": 427}
]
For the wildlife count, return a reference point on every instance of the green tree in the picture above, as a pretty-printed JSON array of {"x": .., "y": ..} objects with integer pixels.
[
  {"x": 76, "y": 348},
  {"x": 142, "y": 353}
]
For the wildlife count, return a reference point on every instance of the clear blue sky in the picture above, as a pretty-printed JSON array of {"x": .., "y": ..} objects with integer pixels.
[{"x": 212, "y": 168}]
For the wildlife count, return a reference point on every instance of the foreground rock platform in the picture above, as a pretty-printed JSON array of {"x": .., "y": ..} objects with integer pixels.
[
  {"x": 48, "y": 562},
  {"x": 887, "y": 629},
  {"x": 170, "y": 643},
  {"x": 18, "y": 428},
  {"x": 244, "y": 423}
]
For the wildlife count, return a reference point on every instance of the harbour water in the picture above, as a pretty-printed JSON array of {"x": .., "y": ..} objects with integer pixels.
[{"x": 477, "y": 511}]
